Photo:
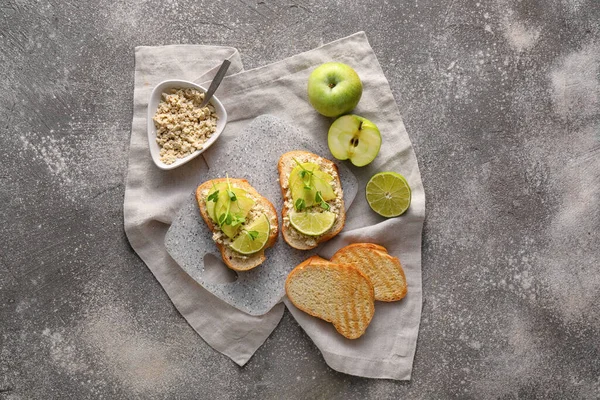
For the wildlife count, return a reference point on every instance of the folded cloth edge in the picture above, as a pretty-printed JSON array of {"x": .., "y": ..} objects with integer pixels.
[{"x": 141, "y": 244}]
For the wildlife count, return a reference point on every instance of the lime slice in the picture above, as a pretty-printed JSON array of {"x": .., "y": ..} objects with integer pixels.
[
  {"x": 388, "y": 194},
  {"x": 312, "y": 223},
  {"x": 253, "y": 237}
]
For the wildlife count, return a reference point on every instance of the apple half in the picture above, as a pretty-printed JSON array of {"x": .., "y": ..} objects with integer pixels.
[{"x": 354, "y": 138}]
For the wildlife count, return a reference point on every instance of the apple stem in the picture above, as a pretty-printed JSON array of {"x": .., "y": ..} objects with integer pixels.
[{"x": 331, "y": 85}]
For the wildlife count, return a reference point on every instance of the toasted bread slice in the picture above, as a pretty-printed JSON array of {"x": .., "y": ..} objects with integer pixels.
[
  {"x": 285, "y": 166},
  {"x": 231, "y": 258},
  {"x": 384, "y": 271},
  {"x": 336, "y": 293},
  {"x": 372, "y": 246}
]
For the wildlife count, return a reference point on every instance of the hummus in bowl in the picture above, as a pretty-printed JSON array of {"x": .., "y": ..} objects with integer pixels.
[{"x": 178, "y": 129}]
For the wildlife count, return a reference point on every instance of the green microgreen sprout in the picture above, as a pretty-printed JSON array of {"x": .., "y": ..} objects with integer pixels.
[
  {"x": 214, "y": 196},
  {"x": 319, "y": 200},
  {"x": 300, "y": 204}
]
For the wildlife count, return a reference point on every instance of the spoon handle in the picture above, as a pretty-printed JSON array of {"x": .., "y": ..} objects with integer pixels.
[{"x": 216, "y": 82}]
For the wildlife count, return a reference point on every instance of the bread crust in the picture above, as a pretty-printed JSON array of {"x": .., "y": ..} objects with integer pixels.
[
  {"x": 282, "y": 168},
  {"x": 253, "y": 260},
  {"x": 318, "y": 262},
  {"x": 373, "y": 246}
]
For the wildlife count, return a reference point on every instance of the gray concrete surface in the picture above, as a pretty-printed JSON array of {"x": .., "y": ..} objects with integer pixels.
[{"x": 501, "y": 99}]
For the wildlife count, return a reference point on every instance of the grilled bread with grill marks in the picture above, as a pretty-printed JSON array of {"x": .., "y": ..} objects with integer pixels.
[
  {"x": 384, "y": 271},
  {"x": 336, "y": 293}
]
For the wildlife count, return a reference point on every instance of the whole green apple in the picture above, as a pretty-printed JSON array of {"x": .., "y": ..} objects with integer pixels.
[
  {"x": 354, "y": 138},
  {"x": 334, "y": 89}
]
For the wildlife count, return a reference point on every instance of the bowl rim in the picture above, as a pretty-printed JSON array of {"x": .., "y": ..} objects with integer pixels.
[{"x": 153, "y": 102}]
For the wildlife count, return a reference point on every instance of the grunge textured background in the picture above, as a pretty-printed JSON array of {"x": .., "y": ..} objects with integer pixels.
[{"x": 501, "y": 99}]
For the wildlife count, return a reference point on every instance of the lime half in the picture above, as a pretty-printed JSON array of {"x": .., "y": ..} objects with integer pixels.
[
  {"x": 312, "y": 223},
  {"x": 388, "y": 194},
  {"x": 253, "y": 237}
]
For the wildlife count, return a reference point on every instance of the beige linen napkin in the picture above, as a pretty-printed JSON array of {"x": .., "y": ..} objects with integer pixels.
[{"x": 153, "y": 197}]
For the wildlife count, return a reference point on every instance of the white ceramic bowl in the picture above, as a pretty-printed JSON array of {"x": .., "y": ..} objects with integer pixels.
[{"x": 155, "y": 98}]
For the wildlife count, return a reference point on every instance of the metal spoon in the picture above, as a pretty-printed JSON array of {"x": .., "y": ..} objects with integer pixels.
[{"x": 215, "y": 82}]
